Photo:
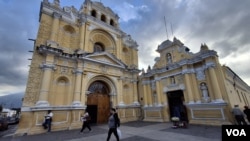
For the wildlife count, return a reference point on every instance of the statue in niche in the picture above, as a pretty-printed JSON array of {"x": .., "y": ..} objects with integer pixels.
[
  {"x": 172, "y": 80},
  {"x": 169, "y": 58},
  {"x": 204, "y": 90}
]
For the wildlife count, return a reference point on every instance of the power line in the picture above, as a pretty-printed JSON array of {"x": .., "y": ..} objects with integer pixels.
[
  {"x": 166, "y": 26},
  {"x": 172, "y": 29}
]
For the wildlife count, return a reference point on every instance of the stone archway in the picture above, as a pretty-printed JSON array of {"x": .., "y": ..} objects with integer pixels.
[{"x": 98, "y": 102}]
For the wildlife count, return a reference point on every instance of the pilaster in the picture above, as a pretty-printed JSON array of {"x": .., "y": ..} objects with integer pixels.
[
  {"x": 55, "y": 26},
  {"x": 145, "y": 98},
  {"x": 149, "y": 95},
  {"x": 197, "y": 96},
  {"x": 44, "y": 91},
  {"x": 188, "y": 88},
  {"x": 77, "y": 93},
  {"x": 215, "y": 85},
  {"x": 120, "y": 94},
  {"x": 135, "y": 97},
  {"x": 159, "y": 92}
]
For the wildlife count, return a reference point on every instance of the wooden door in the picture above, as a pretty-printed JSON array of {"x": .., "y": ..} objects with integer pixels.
[
  {"x": 103, "y": 107},
  {"x": 99, "y": 98}
]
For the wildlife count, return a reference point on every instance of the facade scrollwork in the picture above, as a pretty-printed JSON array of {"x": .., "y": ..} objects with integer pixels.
[
  {"x": 200, "y": 74},
  {"x": 210, "y": 65},
  {"x": 57, "y": 15},
  {"x": 187, "y": 71},
  {"x": 47, "y": 66},
  {"x": 64, "y": 70}
]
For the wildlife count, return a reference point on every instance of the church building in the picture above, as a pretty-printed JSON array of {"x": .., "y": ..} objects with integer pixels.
[
  {"x": 192, "y": 82},
  {"x": 82, "y": 60}
]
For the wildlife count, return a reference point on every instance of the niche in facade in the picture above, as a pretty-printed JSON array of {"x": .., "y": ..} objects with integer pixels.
[{"x": 69, "y": 29}]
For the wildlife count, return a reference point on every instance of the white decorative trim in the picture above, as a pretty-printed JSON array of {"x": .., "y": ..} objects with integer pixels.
[
  {"x": 202, "y": 109},
  {"x": 218, "y": 101},
  {"x": 136, "y": 103},
  {"x": 25, "y": 109},
  {"x": 121, "y": 104},
  {"x": 76, "y": 104},
  {"x": 42, "y": 104}
]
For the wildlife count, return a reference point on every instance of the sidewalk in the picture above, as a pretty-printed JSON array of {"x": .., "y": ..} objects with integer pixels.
[{"x": 131, "y": 131}]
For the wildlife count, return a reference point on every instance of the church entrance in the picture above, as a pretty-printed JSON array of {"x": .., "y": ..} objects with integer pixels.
[
  {"x": 176, "y": 106},
  {"x": 98, "y": 102}
]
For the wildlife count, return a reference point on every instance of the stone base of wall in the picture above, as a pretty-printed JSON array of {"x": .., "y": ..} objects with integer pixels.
[
  {"x": 31, "y": 121},
  {"x": 155, "y": 114},
  {"x": 210, "y": 122},
  {"x": 129, "y": 113}
]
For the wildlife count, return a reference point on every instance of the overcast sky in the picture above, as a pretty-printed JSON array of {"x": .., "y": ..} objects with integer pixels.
[{"x": 223, "y": 25}]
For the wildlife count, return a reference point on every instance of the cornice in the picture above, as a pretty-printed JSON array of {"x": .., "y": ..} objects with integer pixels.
[
  {"x": 78, "y": 57},
  {"x": 199, "y": 57}
]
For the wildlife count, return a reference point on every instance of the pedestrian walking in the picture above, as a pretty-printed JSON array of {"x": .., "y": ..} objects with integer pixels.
[
  {"x": 247, "y": 113},
  {"x": 239, "y": 115},
  {"x": 85, "y": 118},
  {"x": 113, "y": 123}
]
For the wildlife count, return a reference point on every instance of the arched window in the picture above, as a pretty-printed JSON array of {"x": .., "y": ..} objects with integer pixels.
[
  {"x": 93, "y": 13},
  {"x": 111, "y": 22},
  {"x": 99, "y": 87},
  {"x": 103, "y": 18},
  {"x": 98, "y": 47}
]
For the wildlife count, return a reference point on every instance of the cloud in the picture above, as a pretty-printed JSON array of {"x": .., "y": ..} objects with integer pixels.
[
  {"x": 18, "y": 24},
  {"x": 223, "y": 28},
  {"x": 222, "y": 25},
  {"x": 129, "y": 11}
]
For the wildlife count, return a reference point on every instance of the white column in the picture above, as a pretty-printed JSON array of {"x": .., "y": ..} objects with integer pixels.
[
  {"x": 135, "y": 93},
  {"x": 44, "y": 91},
  {"x": 120, "y": 93}
]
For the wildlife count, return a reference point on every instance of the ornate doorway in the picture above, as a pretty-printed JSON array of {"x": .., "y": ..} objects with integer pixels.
[
  {"x": 98, "y": 102},
  {"x": 175, "y": 100}
]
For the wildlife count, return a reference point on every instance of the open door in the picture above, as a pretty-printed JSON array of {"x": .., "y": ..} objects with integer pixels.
[{"x": 98, "y": 102}]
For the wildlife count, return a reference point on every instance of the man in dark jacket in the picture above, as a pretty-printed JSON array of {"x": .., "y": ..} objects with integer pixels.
[
  {"x": 247, "y": 113},
  {"x": 239, "y": 115}
]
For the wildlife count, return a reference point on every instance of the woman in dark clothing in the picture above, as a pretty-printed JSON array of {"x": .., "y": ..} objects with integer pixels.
[
  {"x": 113, "y": 123},
  {"x": 85, "y": 121}
]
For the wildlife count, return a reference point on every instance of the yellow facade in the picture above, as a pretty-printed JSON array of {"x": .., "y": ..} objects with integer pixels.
[
  {"x": 195, "y": 80},
  {"x": 83, "y": 60}
]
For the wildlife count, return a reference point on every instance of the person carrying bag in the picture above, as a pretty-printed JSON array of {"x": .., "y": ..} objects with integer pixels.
[{"x": 114, "y": 123}]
